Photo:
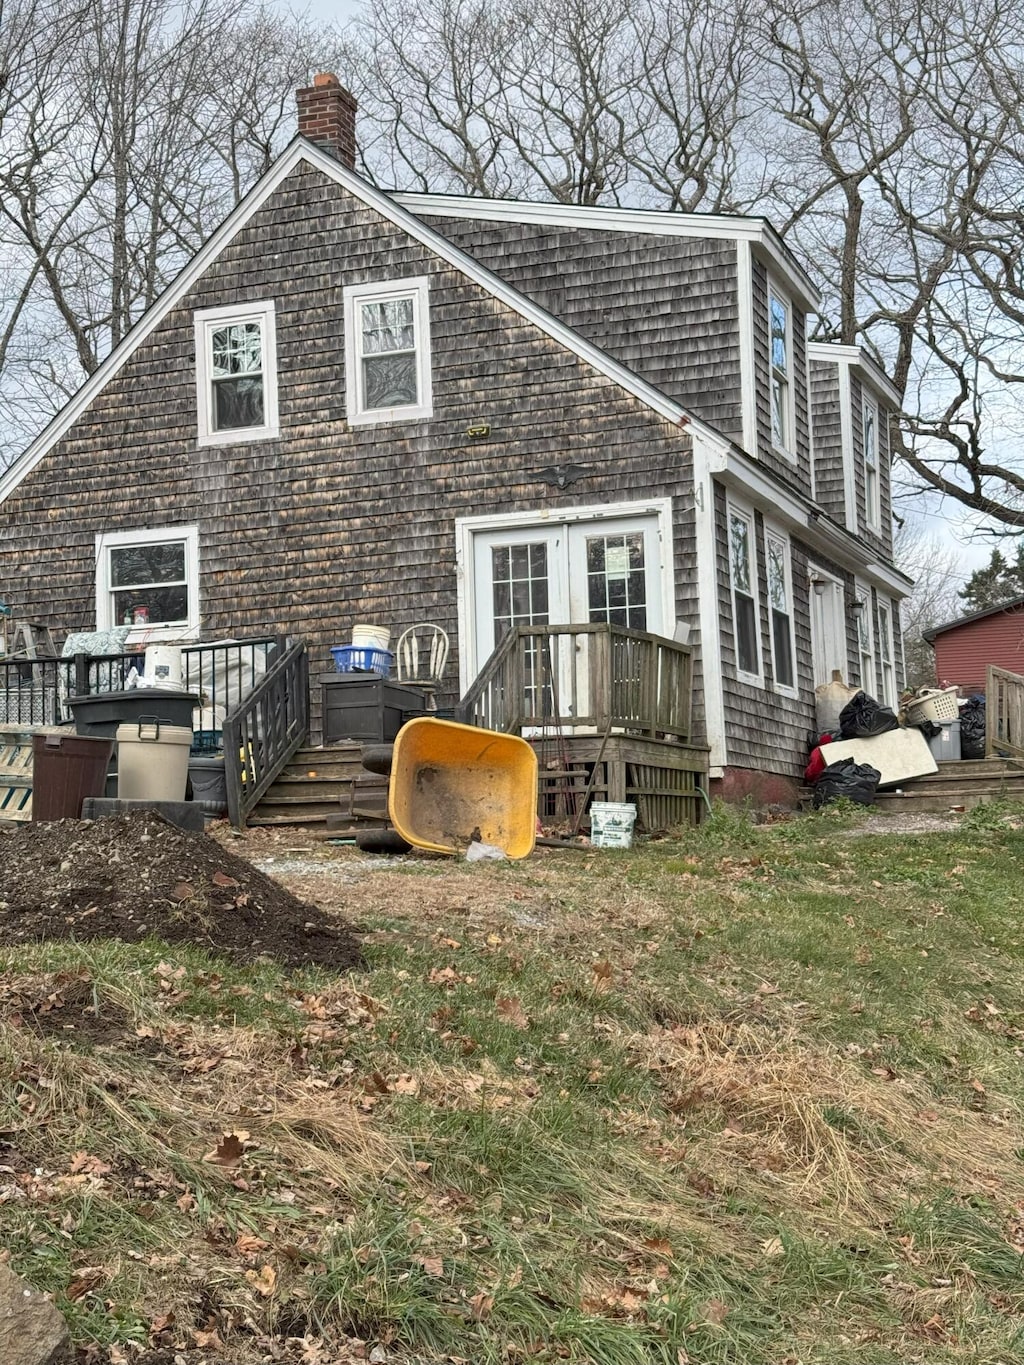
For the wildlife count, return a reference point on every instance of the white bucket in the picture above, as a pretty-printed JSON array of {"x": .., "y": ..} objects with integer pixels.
[
  {"x": 611, "y": 824},
  {"x": 371, "y": 637},
  {"x": 163, "y": 667},
  {"x": 152, "y": 761}
]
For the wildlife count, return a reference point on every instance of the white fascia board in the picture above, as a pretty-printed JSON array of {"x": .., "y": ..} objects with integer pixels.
[
  {"x": 650, "y": 222},
  {"x": 831, "y": 352},
  {"x": 388, "y": 207}
]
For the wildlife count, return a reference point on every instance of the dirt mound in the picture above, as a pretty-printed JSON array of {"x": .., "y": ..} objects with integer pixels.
[{"x": 133, "y": 876}]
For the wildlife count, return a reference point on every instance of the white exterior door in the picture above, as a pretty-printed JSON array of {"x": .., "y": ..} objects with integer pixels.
[
  {"x": 567, "y": 574},
  {"x": 828, "y": 627}
]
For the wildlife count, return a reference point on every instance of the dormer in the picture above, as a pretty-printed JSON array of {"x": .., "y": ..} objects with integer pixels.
[
  {"x": 775, "y": 295},
  {"x": 854, "y": 406}
]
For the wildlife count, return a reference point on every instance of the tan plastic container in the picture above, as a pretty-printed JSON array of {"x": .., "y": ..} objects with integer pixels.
[{"x": 152, "y": 761}]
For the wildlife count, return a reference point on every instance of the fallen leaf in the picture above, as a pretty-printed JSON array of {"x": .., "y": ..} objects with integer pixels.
[
  {"x": 406, "y": 1085},
  {"x": 431, "y": 1265},
  {"x": 183, "y": 891},
  {"x": 715, "y": 1311},
  {"x": 658, "y": 1245},
  {"x": 86, "y": 1280},
  {"x": 248, "y": 1245},
  {"x": 482, "y": 1305},
  {"x": 222, "y": 879},
  {"x": 603, "y": 975},
  {"x": 773, "y": 1247},
  {"x": 229, "y": 1151},
  {"x": 414, "y": 1229},
  {"x": 510, "y": 1011},
  {"x": 161, "y": 1324},
  {"x": 264, "y": 1281},
  {"x": 209, "y": 1338},
  {"x": 977, "y": 1087},
  {"x": 82, "y": 1163}
]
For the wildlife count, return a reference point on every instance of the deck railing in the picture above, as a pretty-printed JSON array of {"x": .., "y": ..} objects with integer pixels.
[
  {"x": 598, "y": 677},
  {"x": 263, "y": 731},
  {"x": 35, "y": 691},
  {"x": 1004, "y": 713}
]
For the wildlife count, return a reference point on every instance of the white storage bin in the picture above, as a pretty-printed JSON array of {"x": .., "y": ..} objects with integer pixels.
[{"x": 152, "y": 761}]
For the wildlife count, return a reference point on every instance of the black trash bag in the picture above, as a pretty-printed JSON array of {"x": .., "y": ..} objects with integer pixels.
[
  {"x": 856, "y": 781},
  {"x": 928, "y": 728},
  {"x": 862, "y": 718},
  {"x": 972, "y": 728}
]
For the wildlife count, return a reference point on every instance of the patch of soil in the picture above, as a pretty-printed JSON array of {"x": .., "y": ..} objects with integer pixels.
[
  {"x": 132, "y": 876},
  {"x": 74, "y": 1012}
]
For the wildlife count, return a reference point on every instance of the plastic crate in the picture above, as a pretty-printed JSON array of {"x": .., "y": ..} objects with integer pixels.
[
  {"x": 207, "y": 742},
  {"x": 934, "y": 706},
  {"x": 362, "y": 659}
]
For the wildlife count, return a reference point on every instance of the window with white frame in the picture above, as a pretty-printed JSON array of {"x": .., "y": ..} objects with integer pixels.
[
  {"x": 887, "y": 653},
  {"x": 780, "y": 609},
  {"x": 743, "y": 575},
  {"x": 865, "y": 637},
  {"x": 236, "y": 374},
  {"x": 387, "y": 352},
  {"x": 780, "y": 356},
  {"x": 148, "y": 579},
  {"x": 872, "y": 479}
]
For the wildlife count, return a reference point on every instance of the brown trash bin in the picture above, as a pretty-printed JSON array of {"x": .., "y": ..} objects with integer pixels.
[{"x": 65, "y": 770}]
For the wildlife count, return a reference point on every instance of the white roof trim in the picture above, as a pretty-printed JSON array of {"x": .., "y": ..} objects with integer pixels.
[
  {"x": 389, "y": 207},
  {"x": 832, "y": 353},
  {"x": 611, "y": 219}
]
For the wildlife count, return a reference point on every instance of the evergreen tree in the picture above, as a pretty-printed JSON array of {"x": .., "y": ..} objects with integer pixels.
[{"x": 1001, "y": 581}]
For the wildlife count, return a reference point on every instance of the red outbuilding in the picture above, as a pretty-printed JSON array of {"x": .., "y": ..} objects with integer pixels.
[{"x": 965, "y": 648}]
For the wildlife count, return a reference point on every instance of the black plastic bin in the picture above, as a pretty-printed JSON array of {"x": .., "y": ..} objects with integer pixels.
[{"x": 66, "y": 769}]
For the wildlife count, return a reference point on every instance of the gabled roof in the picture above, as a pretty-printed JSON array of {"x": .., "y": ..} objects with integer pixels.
[
  {"x": 389, "y": 207},
  {"x": 634, "y": 222},
  {"x": 833, "y": 353},
  {"x": 1014, "y": 604}
]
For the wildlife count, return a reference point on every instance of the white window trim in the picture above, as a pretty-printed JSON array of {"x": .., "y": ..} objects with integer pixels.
[
  {"x": 866, "y": 614},
  {"x": 872, "y": 506},
  {"x": 734, "y": 508},
  {"x": 783, "y": 297},
  {"x": 206, "y": 320},
  {"x": 156, "y": 535},
  {"x": 418, "y": 286},
  {"x": 890, "y": 609},
  {"x": 776, "y": 533},
  {"x": 466, "y": 528}
]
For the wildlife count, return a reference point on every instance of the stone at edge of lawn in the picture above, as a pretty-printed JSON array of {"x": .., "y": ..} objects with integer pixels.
[{"x": 32, "y": 1332}]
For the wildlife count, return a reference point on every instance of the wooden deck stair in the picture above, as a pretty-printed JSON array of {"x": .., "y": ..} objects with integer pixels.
[
  {"x": 316, "y": 783},
  {"x": 967, "y": 784}
]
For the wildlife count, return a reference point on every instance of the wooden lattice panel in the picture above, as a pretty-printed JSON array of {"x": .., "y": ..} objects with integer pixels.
[{"x": 15, "y": 774}]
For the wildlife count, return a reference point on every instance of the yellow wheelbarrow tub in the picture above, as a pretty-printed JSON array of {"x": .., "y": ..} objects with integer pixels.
[{"x": 452, "y": 783}]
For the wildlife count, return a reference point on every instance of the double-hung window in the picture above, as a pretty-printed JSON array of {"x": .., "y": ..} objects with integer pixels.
[
  {"x": 780, "y": 349},
  {"x": 872, "y": 481},
  {"x": 148, "y": 579},
  {"x": 387, "y": 352},
  {"x": 236, "y": 374},
  {"x": 886, "y": 653},
  {"x": 780, "y": 608},
  {"x": 743, "y": 574},
  {"x": 865, "y": 638}
]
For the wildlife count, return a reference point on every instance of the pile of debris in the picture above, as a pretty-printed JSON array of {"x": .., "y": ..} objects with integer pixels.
[{"x": 136, "y": 876}]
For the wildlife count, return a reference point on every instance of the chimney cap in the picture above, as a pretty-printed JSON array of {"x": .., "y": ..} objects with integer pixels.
[{"x": 326, "y": 78}]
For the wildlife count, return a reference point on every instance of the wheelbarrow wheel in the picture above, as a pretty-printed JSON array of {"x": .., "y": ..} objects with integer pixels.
[
  {"x": 386, "y": 841},
  {"x": 377, "y": 758}
]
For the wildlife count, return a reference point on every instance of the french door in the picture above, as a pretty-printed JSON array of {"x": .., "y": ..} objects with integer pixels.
[
  {"x": 570, "y": 573},
  {"x": 567, "y": 574}
]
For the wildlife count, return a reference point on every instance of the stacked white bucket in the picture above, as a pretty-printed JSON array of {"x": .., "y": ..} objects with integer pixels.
[{"x": 371, "y": 637}]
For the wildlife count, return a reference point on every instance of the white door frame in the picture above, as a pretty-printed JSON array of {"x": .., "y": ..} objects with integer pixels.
[{"x": 466, "y": 528}]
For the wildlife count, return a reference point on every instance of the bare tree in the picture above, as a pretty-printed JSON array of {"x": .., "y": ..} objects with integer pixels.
[
  {"x": 935, "y": 599},
  {"x": 126, "y": 135}
]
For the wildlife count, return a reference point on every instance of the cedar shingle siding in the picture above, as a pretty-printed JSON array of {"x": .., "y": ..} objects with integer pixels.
[
  {"x": 665, "y": 306},
  {"x": 329, "y": 525},
  {"x": 829, "y": 480}
]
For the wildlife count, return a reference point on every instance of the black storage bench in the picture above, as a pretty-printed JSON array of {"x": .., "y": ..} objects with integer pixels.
[{"x": 366, "y": 707}]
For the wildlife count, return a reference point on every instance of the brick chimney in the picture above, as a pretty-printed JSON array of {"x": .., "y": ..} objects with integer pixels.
[{"x": 327, "y": 116}]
